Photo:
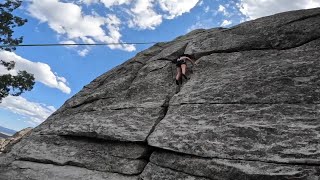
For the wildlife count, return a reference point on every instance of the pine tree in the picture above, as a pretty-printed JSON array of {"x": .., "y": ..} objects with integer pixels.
[{"x": 12, "y": 84}]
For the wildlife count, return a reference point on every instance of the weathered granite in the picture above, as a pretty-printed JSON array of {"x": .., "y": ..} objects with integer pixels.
[
  {"x": 113, "y": 84},
  {"x": 124, "y": 158},
  {"x": 249, "y": 111},
  {"x": 281, "y": 31},
  {"x": 125, "y": 106},
  {"x": 154, "y": 172},
  {"x": 256, "y": 105},
  {"x": 274, "y": 133},
  {"x": 255, "y": 77},
  {"x": 22, "y": 170},
  {"x": 2, "y": 140},
  {"x": 6, "y": 144},
  {"x": 130, "y": 124},
  {"x": 223, "y": 169}
]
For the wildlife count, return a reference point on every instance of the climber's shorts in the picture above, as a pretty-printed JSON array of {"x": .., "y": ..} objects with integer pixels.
[{"x": 179, "y": 63}]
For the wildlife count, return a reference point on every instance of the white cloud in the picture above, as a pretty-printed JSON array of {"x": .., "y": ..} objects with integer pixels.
[
  {"x": 113, "y": 24},
  {"x": 223, "y": 10},
  {"x": 69, "y": 42},
  {"x": 177, "y": 7},
  {"x": 88, "y": 2},
  {"x": 198, "y": 25},
  {"x": 42, "y": 72},
  {"x": 254, "y": 9},
  {"x": 72, "y": 23},
  {"x": 87, "y": 40},
  {"x": 83, "y": 52},
  {"x": 141, "y": 12},
  {"x": 109, "y": 3},
  {"x": 144, "y": 16},
  {"x": 36, "y": 112},
  {"x": 201, "y": 3},
  {"x": 206, "y": 9},
  {"x": 225, "y": 23},
  {"x": 68, "y": 21},
  {"x": 202, "y": 23}
]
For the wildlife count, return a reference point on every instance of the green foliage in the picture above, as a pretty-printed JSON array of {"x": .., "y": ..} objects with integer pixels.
[
  {"x": 23, "y": 81},
  {"x": 15, "y": 85},
  {"x": 8, "y": 21}
]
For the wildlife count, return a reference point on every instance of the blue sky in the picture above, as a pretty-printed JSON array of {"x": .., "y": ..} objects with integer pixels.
[{"x": 61, "y": 72}]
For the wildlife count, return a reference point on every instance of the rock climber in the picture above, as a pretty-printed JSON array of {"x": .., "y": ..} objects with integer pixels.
[{"x": 181, "y": 64}]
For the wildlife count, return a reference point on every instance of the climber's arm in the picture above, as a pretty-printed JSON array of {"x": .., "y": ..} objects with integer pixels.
[
  {"x": 166, "y": 59},
  {"x": 189, "y": 59}
]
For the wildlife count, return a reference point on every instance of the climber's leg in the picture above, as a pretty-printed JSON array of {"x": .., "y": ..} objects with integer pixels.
[
  {"x": 178, "y": 76},
  {"x": 183, "y": 70}
]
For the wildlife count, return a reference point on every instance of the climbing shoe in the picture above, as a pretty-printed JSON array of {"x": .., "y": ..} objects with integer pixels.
[
  {"x": 185, "y": 77},
  {"x": 179, "y": 82}
]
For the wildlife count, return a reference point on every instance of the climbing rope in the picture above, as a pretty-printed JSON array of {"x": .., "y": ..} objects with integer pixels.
[{"x": 76, "y": 44}]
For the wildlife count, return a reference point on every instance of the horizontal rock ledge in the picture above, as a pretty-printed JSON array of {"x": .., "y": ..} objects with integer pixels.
[
  {"x": 21, "y": 170},
  {"x": 123, "y": 158},
  {"x": 273, "y": 133},
  {"x": 154, "y": 172},
  {"x": 223, "y": 169},
  {"x": 119, "y": 125}
]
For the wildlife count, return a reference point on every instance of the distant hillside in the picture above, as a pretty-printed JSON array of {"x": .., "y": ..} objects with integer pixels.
[
  {"x": 3, "y": 135},
  {"x": 6, "y": 131}
]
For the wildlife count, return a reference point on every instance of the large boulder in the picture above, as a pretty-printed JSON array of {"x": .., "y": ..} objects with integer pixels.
[{"x": 250, "y": 111}]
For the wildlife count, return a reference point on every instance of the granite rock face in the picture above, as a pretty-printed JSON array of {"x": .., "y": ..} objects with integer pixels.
[
  {"x": 250, "y": 110},
  {"x": 22, "y": 170},
  {"x": 6, "y": 144}
]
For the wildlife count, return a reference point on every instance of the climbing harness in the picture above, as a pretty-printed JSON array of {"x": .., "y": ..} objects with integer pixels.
[{"x": 180, "y": 61}]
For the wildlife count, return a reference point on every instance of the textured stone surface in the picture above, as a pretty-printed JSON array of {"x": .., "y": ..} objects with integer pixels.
[
  {"x": 222, "y": 169},
  {"x": 277, "y": 133},
  {"x": 2, "y": 140},
  {"x": 124, "y": 106},
  {"x": 154, "y": 172},
  {"x": 281, "y": 31},
  {"x": 250, "y": 111},
  {"x": 21, "y": 170},
  {"x": 265, "y": 77},
  {"x": 113, "y": 85},
  {"x": 130, "y": 124},
  {"x": 6, "y": 144},
  {"x": 124, "y": 158},
  {"x": 255, "y": 105}
]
